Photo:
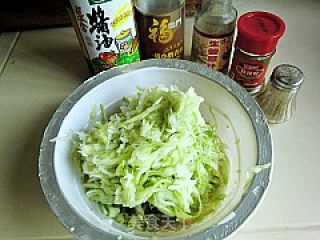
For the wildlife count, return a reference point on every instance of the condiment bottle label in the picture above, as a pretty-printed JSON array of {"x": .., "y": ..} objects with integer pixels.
[
  {"x": 106, "y": 32},
  {"x": 249, "y": 71},
  {"x": 161, "y": 36},
  {"x": 212, "y": 51}
]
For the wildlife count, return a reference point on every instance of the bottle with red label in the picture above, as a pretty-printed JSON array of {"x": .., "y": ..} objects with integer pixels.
[
  {"x": 257, "y": 38},
  {"x": 213, "y": 32}
]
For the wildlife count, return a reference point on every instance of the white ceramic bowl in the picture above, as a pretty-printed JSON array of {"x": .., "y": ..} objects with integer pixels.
[{"x": 241, "y": 125}]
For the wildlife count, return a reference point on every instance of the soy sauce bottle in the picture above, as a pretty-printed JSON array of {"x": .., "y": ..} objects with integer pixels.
[
  {"x": 213, "y": 33},
  {"x": 161, "y": 28}
]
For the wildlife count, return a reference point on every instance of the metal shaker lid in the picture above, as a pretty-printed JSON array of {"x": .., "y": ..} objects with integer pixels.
[{"x": 286, "y": 76}]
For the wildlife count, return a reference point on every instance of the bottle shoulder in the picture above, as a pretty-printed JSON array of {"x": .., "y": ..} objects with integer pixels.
[
  {"x": 214, "y": 26},
  {"x": 214, "y": 34}
]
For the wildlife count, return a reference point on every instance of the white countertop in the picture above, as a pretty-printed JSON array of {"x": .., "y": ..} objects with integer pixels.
[{"x": 38, "y": 69}]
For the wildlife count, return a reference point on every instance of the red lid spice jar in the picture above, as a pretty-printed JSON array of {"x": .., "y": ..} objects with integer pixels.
[{"x": 258, "y": 35}]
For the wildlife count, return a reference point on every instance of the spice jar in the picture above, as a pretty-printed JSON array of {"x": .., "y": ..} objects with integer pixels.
[
  {"x": 258, "y": 35},
  {"x": 213, "y": 32},
  {"x": 161, "y": 28},
  {"x": 278, "y": 101}
]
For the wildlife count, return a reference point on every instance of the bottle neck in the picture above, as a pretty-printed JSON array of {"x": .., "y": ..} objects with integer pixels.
[
  {"x": 217, "y": 7},
  {"x": 158, "y": 7},
  {"x": 216, "y": 17}
]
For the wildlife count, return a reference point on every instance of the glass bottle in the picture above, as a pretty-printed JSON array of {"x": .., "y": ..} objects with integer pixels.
[
  {"x": 161, "y": 28},
  {"x": 213, "y": 32},
  {"x": 278, "y": 101}
]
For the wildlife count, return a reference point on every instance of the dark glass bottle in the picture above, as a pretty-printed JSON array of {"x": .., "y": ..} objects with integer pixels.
[{"x": 161, "y": 28}]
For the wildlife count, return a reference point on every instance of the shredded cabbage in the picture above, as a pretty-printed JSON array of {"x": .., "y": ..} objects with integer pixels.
[{"x": 157, "y": 155}]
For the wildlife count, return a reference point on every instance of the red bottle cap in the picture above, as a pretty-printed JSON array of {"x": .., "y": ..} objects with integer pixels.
[{"x": 259, "y": 32}]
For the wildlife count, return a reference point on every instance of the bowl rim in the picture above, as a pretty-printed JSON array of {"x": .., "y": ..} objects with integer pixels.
[{"x": 80, "y": 227}]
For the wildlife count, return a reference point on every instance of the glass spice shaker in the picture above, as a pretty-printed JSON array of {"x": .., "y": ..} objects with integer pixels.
[{"x": 278, "y": 101}]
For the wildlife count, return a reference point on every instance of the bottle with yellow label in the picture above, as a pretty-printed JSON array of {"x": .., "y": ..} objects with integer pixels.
[
  {"x": 213, "y": 34},
  {"x": 161, "y": 28}
]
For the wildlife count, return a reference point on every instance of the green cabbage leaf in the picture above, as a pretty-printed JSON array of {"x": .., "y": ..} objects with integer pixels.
[{"x": 156, "y": 155}]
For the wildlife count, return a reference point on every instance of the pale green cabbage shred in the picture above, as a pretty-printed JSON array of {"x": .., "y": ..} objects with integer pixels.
[{"x": 158, "y": 152}]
